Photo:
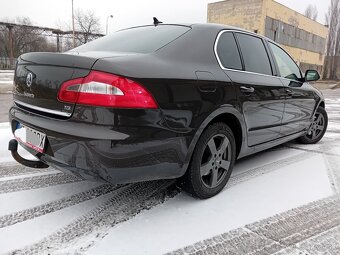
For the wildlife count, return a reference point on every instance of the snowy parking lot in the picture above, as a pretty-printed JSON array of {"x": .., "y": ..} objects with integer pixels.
[
  {"x": 285, "y": 200},
  {"x": 6, "y": 80}
]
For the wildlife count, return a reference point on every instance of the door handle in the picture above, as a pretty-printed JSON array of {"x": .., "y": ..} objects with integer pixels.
[
  {"x": 247, "y": 89},
  {"x": 207, "y": 88}
]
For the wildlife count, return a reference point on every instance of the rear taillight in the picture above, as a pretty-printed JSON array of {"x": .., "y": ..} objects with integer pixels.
[{"x": 107, "y": 90}]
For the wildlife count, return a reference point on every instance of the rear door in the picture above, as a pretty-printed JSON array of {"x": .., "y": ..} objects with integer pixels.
[
  {"x": 260, "y": 94},
  {"x": 300, "y": 101}
]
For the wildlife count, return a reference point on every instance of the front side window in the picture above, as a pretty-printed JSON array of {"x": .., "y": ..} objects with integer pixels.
[
  {"x": 227, "y": 51},
  {"x": 254, "y": 54},
  {"x": 287, "y": 67}
]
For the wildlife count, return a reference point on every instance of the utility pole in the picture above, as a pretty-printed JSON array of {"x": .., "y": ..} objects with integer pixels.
[
  {"x": 10, "y": 44},
  {"x": 74, "y": 42},
  {"x": 58, "y": 43},
  {"x": 58, "y": 32}
]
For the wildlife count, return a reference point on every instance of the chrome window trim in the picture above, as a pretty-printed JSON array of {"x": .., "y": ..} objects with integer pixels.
[
  {"x": 242, "y": 71},
  {"x": 215, "y": 50},
  {"x": 60, "y": 113},
  {"x": 290, "y": 79}
]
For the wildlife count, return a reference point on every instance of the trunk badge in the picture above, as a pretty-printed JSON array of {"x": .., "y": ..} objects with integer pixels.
[{"x": 29, "y": 79}]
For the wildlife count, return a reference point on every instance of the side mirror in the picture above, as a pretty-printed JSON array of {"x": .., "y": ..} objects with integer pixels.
[{"x": 312, "y": 75}]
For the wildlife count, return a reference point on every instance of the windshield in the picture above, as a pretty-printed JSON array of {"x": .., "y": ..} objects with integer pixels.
[{"x": 138, "y": 40}]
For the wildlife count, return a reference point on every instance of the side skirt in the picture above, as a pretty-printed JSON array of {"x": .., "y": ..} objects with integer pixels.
[{"x": 267, "y": 145}]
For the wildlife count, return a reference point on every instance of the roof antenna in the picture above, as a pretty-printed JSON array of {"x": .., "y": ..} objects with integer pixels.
[{"x": 156, "y": 21}]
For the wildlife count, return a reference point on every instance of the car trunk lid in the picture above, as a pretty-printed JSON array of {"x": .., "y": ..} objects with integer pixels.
[{"x": 39, "y": 76}]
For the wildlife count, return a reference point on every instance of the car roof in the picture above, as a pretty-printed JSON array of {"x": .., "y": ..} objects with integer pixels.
[
  {"x": 208, "y": 26},
  {"x": 215, "y": 26},
  {"x": 220, "y": 27}
]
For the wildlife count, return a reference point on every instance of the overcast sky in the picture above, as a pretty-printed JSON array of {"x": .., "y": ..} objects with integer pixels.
[{"x": 127, "y": 13}]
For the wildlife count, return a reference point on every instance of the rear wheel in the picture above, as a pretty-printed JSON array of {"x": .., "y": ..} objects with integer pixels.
[
  {"x": 212, "y": 162},
  {"x": 317, "y": 129}
]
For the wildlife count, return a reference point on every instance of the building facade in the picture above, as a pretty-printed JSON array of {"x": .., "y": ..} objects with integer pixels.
[{"x": 303, "y": 38}]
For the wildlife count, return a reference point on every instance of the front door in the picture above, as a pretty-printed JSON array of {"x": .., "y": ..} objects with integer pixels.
[
  {"x": 300, "y": 101},
  {"x": 299, "y": 107}
]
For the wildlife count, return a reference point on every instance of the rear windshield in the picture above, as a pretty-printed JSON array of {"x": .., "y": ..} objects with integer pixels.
[{"x": 139, "y": 40}]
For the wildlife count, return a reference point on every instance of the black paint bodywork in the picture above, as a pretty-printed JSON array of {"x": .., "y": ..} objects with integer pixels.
[{"x": 192, "y": 91}]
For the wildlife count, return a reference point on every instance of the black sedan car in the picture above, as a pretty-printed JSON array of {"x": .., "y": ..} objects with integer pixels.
[{"x": 162, "y": 102}]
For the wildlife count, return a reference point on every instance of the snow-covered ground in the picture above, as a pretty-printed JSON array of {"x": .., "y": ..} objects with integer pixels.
[
  {"x": 6, "y": 76},
  {"x": 48, "y": 212},
  {"x": 6, "y": 80}
]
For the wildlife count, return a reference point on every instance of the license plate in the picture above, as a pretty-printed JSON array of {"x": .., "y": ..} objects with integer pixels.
[{"x": 31, "y": 137}]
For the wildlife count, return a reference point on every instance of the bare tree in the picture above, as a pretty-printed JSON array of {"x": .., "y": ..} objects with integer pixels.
[
  {"x": 87, "y": 28},
  {"x": 23, "y": 39},
  {"x": 333, "y": 41},
  {"x": 88, "y": 24},
  {"x": 311, "y": 12}
]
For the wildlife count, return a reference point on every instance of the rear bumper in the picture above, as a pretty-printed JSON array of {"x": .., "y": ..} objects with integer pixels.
[{"x": 134, "y": 147}]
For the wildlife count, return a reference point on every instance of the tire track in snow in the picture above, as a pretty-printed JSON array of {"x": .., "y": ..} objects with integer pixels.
[
  {"x": 312, "y": 151},
  {"x": 55, "y": 205},
  {"x": 125, "y": 203},
  {"x": 59, "y": 204},
  {"x": 333, "y": 167},
  {"x": 71, "y": 233},
  {"x": 251, "y": 173},
  {"x": 320, "y": 149},
  {"x": 300, "y": 223},
  {"x": 267, "y": 168},
  {"x": 276, "y": 234},
  {"x": 36, "y": 182},
  {"x": 335, "y": 131},
  {"x": 270, "y": 167},
  {"x": 14, "y": 169}
]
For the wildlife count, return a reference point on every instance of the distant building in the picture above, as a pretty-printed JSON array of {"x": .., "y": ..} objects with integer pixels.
[{"x": 303, "y": 38}]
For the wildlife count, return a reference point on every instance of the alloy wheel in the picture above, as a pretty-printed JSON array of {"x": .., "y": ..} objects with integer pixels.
[
  {"x": 215, "y": 162},
  {"x": 317, "y": 127}
]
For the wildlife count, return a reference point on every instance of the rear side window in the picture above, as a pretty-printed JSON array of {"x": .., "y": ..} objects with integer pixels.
[
  {"x": 254, "y": 54},
  {"x": 227, "y": 51},
  {"x": 137, "y": 40}
]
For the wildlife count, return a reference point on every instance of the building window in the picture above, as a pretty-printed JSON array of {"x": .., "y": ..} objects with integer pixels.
[{"x": 289, "y": 35}]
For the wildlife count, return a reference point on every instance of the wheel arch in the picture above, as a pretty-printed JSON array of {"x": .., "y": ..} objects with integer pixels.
[
  {"x": 228, "y": 115},
  {"x": 319, "y": 103},
  {"x": 322, "y": 104},
  {"x": 235, "y": 126}
]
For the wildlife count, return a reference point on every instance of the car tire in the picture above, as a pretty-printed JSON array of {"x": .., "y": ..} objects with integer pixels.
[
  {"x": 212, "y": 162},
  {"x": 317, "y": 129}
]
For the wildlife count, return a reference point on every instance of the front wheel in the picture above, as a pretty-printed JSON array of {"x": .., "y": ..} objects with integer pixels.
[
  {"x": 212, "y": 162},
  {"x": 317, "y": 129}
]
